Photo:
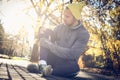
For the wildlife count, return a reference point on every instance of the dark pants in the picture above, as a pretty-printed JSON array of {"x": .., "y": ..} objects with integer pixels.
[{"x": 61, "y": 67}]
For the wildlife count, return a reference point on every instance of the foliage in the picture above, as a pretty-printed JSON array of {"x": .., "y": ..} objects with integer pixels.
[
  {"x": 101, "y": 18},
  {"x": 16, "y": 45}
]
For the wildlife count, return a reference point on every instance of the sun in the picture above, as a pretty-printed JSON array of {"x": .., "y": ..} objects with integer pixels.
[{"x": 17, "y": 16}]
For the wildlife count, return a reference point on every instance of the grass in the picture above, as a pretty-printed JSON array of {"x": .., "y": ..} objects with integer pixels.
[{"x": 19, "y": 58}]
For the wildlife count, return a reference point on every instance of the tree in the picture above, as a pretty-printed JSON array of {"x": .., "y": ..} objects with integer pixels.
[
  {"x": 1, "y": 37},
  {"x": 1, "y": 33},
  {"x": 101, "y": 18}
]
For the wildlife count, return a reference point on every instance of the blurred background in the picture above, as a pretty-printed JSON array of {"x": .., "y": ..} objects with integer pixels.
[{"x": 20, "y": 21}]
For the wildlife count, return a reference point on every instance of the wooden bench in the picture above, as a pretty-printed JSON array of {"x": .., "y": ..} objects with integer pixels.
[
  {"x": 13, "y": 72},
  {"x": 17, "y": 72}
]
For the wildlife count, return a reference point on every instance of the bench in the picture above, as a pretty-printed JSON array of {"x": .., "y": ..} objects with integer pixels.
[
  {"x": 10, "y": 71},
  {"x": 14, "y": 72}
]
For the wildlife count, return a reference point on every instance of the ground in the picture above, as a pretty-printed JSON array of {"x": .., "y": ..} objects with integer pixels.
[{"x": 84, "y": 74}]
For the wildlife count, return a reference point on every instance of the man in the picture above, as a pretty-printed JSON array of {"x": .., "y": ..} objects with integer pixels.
[{"x": 67, "y": 43}]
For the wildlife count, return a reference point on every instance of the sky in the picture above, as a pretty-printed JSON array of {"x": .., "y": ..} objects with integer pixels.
[{"x": 16, "y": 14}]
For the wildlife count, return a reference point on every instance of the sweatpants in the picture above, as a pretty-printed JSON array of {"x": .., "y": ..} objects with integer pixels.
[{"x": 61, "y": 67}]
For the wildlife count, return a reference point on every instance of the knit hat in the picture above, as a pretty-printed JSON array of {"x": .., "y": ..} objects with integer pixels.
[{"x": 76, "y": 9}]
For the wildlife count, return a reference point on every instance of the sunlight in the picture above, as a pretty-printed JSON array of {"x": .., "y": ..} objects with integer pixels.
[
  {"x": 16, "y": 17},
  {"x": 14, "y": 24},
  {"x": 20, "y": 16}
]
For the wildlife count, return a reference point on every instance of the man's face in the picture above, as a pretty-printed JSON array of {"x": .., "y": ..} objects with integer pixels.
[{"x": 68, "y": 18}]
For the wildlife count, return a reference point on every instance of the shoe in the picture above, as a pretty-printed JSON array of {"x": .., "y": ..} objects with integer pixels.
[
  {"x": 33, "y": 68},
  {"x": 47, "y": 70}
]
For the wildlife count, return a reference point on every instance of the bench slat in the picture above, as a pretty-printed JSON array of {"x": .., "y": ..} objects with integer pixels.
[
  {"x": 13, "y": 74},
  {"x": 3, "y": 71}
]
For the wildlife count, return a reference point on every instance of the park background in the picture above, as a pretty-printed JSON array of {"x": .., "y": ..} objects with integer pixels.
[{"x": 20, "y": 21}]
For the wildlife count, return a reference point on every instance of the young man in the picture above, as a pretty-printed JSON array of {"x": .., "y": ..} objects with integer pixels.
[{"x": 67, "y": 43}]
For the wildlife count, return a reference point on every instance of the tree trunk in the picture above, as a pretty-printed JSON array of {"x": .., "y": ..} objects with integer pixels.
[{"x": 35, "y": 53}]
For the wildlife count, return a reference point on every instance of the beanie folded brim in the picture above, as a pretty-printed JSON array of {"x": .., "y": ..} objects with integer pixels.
[{"x": 76, "y": 9}]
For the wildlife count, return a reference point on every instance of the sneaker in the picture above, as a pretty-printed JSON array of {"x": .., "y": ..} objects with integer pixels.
[
  {"x": 47, "y": 70},
  {"x": 33, "y": 68}
]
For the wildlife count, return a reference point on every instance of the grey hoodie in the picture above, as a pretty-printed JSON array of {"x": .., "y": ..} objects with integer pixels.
[
  {"x": 67, "y": 42},
  {"x": 66, "y": 45}
]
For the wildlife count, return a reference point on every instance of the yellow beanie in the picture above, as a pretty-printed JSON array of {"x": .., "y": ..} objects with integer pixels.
[{"x": 76, "y": 9}]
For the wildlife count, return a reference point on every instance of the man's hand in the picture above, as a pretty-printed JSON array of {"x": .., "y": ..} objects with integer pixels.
[
  {"x": 45, "y": 42},
  {"x": 44, "y": 33}
]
